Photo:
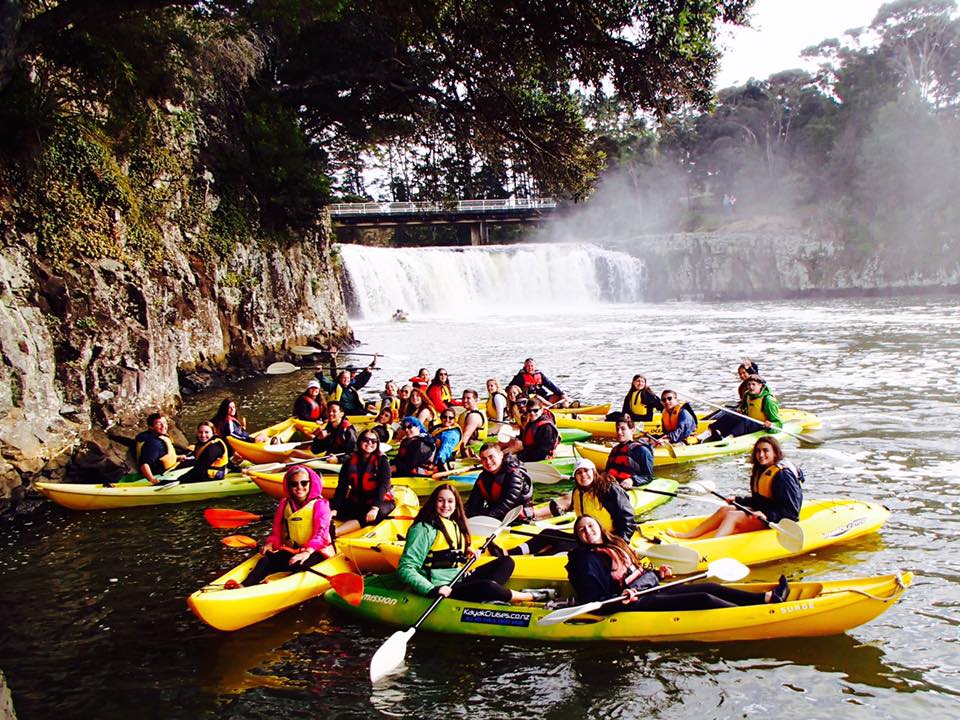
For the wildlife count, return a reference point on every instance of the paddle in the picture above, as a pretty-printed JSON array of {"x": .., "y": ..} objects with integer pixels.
[
  {"x": 544, "y": 474},
  {"x": 809, "y": 439},
  {"x": 227, "y": 518},
  {"x": 391, "y": 653},
  {"x": 166, "y": 485},
  {"x": 349, "y": 586},
  {"x": 726, "y": 569},
  {"x": 683, "y": 559},
  {"x": 789, "y": 532}
]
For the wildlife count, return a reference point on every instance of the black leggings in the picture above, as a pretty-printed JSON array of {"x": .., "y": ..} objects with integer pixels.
[
  {"x": 548, "y": 542},
  {"x": 198, "y": 473},
  {"x": 349, "y": 510},
  {"x": 486, "y": 583},
  {"x": 279, "y": 561},
  {"x": 702, "y": 596},
  {"x": 728, "y": 424}
]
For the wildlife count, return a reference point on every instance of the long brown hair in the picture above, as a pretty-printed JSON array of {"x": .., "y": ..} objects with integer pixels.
[
  {"x": 428, "y": 511},
  {"x": 601, "y": 485},
  {"x": 407, "y": 408},
  {"x": 757, "y": 468},
  {"x": 610, "y": 541}
]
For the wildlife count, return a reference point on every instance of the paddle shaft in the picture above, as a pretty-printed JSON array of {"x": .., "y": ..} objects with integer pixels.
[
  {"x": 656, "y": 588},
  {"x": 748, "y": 511},
  {"x": 774, "y": 428}
]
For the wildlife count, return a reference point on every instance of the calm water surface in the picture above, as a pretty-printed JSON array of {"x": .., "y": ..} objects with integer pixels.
[{"x": 95, "y": 625}]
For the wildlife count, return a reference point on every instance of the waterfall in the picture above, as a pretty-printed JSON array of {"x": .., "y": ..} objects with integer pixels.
[{"x": 500, "y": 279}]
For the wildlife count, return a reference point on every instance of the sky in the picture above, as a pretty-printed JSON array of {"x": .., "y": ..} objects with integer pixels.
[{"x": 781, "y": 29}]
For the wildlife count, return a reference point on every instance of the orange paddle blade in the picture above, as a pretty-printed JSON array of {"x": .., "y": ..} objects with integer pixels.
[
  {"x": 349, "y": 587},
  {"x": 239, "y": 541},
  {"x": 226, "y": 518}
]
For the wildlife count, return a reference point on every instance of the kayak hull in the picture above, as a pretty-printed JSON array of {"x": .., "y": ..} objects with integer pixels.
[{"x": 813, "y": 609}]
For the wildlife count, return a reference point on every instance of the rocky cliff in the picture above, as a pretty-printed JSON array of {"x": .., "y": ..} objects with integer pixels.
[
  {"x": 88, "y": 350},
  {"x": 774, "y": 260}
]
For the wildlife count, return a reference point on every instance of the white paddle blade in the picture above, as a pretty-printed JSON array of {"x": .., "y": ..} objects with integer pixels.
[
  {"x": 683, "y": 560},
  {"x": 482, "y": 525},
  {"x": 505, "y": 434},
  {"x": 166, "y": 485},
  {"x": 701, "y": 487},
  {"x": 305, "y": 350},
  {"x": 790, "y": 535},
  {"x": 728, "y": 570},
  {"x": 559, "y": 616},
  {"x": 281, "y": 368},
  {"x": 544, "y": 474},
  {"x": 390, "y": 655},
  {"x": 385, "y": 448}
]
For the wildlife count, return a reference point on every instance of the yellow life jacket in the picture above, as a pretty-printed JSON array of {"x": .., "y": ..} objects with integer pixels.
[
  {"x": 636, "y": 405},
  {"x": 491, "y": 408},
  {"x": 299, "y": 524},
  {"x": 168, "y": 459},
  {"x": 442, "y": 554},
  {"x": 755, "y": 408},
  {"x": 336, "y": 394},
  {"x": 215, "y": 471},
  {"x": 481, "y": 432},
  {"x": 587, "y": 503},
  {"x": 763, "y": 485},
  {"x": 393, "y": 404}
]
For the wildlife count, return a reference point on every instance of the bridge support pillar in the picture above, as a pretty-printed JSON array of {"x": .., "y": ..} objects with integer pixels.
[{"x": 479, "y": 234}]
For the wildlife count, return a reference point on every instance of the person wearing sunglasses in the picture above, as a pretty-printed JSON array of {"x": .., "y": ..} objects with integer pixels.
[
  {"x": 539, "y": 437},
  {"x": 416, "y": 449},
  {"x": 447, "y": 437},
  {"x": 364, "y": 494},
  {"x": 300, "y": 536},
  {"x": 678, "y": 421},
  {"x": 501, "y": 485},
  {"x": 439, "y": 391}
]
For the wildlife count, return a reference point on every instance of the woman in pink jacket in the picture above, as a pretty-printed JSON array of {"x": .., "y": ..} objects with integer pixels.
[{"x": 301, "y": 528}]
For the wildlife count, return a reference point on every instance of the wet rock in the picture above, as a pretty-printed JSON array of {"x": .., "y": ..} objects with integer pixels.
[{"x": 6, "y": 700}]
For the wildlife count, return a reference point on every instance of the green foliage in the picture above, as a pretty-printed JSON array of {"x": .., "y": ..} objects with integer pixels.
[{"x": 87, "y": 322}]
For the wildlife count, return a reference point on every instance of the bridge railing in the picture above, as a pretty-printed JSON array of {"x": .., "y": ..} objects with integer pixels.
[{"x": 391, "y": 208}]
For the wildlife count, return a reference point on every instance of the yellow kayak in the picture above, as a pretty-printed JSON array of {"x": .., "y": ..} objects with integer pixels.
[
  {"x": 795, "y": 421},
  {"x": 602, "y": 409},
  {"x": 824, "y": 522},
  {"x": 600, "y": 428},
  {"x": 274, "y": 450},
  {"x": 79, "y": 496},
  {"x": 240, "y": 607},
  {"x": 812, "y": 609}
]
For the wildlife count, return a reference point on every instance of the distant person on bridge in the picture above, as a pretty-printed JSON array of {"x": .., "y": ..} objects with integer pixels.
[{"x": 534, "y": 382}]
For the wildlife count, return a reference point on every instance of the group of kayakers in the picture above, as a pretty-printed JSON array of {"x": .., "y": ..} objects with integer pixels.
[{"x": 432, "y": 428}]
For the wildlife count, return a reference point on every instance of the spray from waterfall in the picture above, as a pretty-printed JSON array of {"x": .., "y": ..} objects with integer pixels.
[{"x": 494, "y": 279}]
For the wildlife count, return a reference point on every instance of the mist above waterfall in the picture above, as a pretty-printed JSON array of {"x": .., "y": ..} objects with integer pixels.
[{"x": 490, "y": 279}]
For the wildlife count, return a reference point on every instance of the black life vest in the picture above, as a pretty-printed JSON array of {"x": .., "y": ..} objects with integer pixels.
[{"x": 364, "y": 481}]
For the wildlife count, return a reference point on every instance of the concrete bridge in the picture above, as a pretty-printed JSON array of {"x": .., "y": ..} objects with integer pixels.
[{"x": 478, "y": 214}]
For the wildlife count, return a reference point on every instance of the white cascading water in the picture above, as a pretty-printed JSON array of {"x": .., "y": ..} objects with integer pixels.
[{"x": 456, "y": 281}]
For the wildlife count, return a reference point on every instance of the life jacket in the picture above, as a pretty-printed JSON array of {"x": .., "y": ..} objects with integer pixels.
[
  {"x": 440, "y": 430},
  {"x": 635, "y": 403},
  {"x": 228, "y": 427},
  {"x": 491, "y": 408},
  {"x": 299, "y": 523},
  {"x": 619, "y": 463},
  {"x": 755, "y": 406},
  {"x": 491, "y": 486},
  {"x": 449, "y": 547},
  {"x": 762, "y": 484},
  {"x": 480, "y": 433},
  {"x": 587, "y": 503},
  {"x": 670, "y": 419},
  {"x": 384, "y": 432},
  {"x": 532, "y": 381},
  {"x": 169, "y": 457},
  {"x": 445, "y": 395},
  {"x": 216, "y": 470},
  {"x": 363, "y": 484},
  {"x": 394, "y": 404},
  {"x": 420, "y": 445},
  {"x": 337, "y": 435},
  {"x": 314, "y": 409},
  {"x": 529, "y": 438},
  {"x": 337, "y": 393}
]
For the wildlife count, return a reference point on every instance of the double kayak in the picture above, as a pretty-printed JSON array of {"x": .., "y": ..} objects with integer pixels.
[
  {"x": 823, "y": 522},
  {"x": 232, "y": 609},
  {"x": 272, "y": 482},
  {"x": 682, "y": 453},
  {"x": 255, "y": 452},
  {"x": 80, "y": 496},
  {"x": 601, "y": 428},
  {"x": 812, "y": 609}
]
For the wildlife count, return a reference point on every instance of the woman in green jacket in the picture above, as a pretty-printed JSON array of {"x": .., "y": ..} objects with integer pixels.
[{"x": 437, "y": 547}]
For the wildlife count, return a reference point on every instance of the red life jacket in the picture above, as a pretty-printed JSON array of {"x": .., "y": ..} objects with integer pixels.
[
  {"x": 338, "y": 435},
  {"x": 529, "y": 438},
  {"x": 491, "y": 494},
  {"x": 314, "y": 409},
  {"x": 364, "y": 483},
  {"x": 532, "y": 380},
  {"x": 619, "y": 463}
]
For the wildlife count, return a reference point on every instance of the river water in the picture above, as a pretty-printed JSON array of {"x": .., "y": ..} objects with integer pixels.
[{"x": 95, "y": 625}]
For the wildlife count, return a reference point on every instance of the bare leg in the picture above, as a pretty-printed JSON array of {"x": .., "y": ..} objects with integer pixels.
[
  {"x": 519, "y": 597},
  {"x": 738, "y": 521},
  {"x": 707, "y": 526},
  {"x": 347, "y": 526}
]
